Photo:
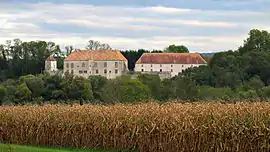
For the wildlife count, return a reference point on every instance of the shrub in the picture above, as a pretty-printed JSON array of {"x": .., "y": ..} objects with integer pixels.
[
  {"x": 211, "y": 93},
  {"x": 132, "y": 90},
  {"x": 2, "y": 94}
]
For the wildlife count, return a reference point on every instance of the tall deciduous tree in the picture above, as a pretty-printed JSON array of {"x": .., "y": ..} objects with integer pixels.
[
  {"x": 177, "y": 49},
  {"x": 96, "y": 45}
]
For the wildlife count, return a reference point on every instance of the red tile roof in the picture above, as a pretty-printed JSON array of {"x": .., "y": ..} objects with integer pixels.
[
  {"x": 96, "y": 55},
  {"x": 171, "y": 58},
  {"x": 50, "y": 58}
]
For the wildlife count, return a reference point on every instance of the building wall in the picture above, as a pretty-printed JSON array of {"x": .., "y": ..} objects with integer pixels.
[
  {"x": 50, "y": 66},
  {"x": 174, "y": 69},
  {"x": 108, "y": 69}
]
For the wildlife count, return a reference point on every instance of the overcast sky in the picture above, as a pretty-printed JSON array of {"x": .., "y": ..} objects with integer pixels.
[{"x": 201, "y": 25}]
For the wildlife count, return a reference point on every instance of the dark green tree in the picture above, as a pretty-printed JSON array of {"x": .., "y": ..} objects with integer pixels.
[{"x": 177, "y": 49}]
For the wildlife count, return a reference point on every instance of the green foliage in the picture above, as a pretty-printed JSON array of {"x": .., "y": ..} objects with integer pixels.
[
  {"x": 23, "y": 93},
  {"x": 177, "y": 49},
  {"x": 97, "y": 83},
  {"x": 132, "y": 90},
  {"x": 185, "y": 88},
  {"x": 250, "y": 94},
  {"x": 255, "y": 83},
  {"x": 3, "y": 93},
  {"x": 35, "y": 84},
  {"x": 211, "y": 93},
  {"x": 77, "y": 88},
  {"x": 266, "y": 92},
  {"x": 111, "y": 92},
  {"x": 153, "y": 82},
  {"x": 257, "y": 41},
  {"x": 25, "y": 57},
  {"x": 243, "y": 73},
  {"x": 52, "y": 87},
  {"x": 167, "y": 90}
]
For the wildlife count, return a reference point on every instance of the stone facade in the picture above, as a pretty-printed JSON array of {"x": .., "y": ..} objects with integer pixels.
[
  {"x": 51, "y": 65},
  {"x": 168, "y": 65},
  {"x": 107, "y": 63},
  {"x": 108, "y": 69}
]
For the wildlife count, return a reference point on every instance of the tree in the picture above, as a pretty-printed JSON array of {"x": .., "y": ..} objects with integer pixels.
[
  {"x": 255, "y": 83},
  {"x": 177, "y": 49},
  {"x": 35, "y": 84},
  {"x": 257, "y": 41},
  {"x": 96, "y": 45},
  {"x": 132, "y": 90},
  {"x": 132, "y": 56},
  {"x": 23, "y": 93},
  {"x": 68, "y": 49},
  {"x": 153, "y": 82},
  {"x": 2, "y": 94},
  {"x": 77, "y": 88},
  {"x": 185, "y": 88},
  {"x": 97, "y": 83},
  {"x": 53, "y": 88}
]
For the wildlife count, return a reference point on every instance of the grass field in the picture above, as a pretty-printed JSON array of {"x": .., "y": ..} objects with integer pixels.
[
  {"x": 21, "y": 148},
  {"x": 144, "y": 127}
]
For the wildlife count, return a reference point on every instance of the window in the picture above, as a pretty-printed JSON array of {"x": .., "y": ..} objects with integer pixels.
[
  {"x": 80, "y": 72},
  {"x": 72, "y": 65},
  {"x": 116, "y": 64},
  {"x": 105, "y": 71},
  {"x": 72, "y": 71},
  {"x": 84, "y": 71},
  {"x": 83, "y": 64},
  {"x": 171, "y": 65},
  {"x": 160, "y": 70},
  {"x": 171, "y": 70},
  {"x": 105, "y": 64},
  {"x": 142, "y": 70},
  {"x": 116, "y": 71},
  {"x": 142, "y": 65},
  {"x": 110, "y": 71},
  {"x": 67, "y": 65},
  {"x": 151, "y": 70},
  {"x": 182, "y": 66},
  {"x": 161, "y": 65},
  {"x": 151, "y": 65},
  {"x": 95, "y": 64},
  {"x": 96, "y": 71}
]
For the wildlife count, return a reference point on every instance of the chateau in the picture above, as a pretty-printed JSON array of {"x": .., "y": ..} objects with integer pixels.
[
  {"x": 168, "y": 64},
  {"x": 107, "y": 63},
  {"x": 111, "y": 63}
]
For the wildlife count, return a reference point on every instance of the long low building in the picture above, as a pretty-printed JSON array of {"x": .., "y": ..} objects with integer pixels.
[
  {"x": 168, "y": 64},
  {"x": 107, "y": 63}
]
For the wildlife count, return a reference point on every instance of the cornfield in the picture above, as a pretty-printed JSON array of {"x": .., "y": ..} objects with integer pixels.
[{"x": 144, "y": 127}]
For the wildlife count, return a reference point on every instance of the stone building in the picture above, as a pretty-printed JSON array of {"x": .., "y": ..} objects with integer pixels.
[
  {"x": 168, "y": 65},
  {"x": 51, "y": 65},
  {"x": 107, "y": 63}
]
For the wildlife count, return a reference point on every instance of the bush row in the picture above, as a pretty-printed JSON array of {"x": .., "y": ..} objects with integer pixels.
[{"x": 97, "y": 89}]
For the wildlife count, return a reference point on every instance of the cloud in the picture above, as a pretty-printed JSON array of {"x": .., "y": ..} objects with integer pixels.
[{"x": 129, "y": 27}]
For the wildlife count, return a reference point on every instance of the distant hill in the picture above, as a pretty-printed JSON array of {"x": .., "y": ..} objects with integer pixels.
[{"x": 208, "y": 54}]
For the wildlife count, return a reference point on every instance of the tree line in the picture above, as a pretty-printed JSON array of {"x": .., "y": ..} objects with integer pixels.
[
  {"x": 235, "y": 74},
  {"x": 19, "y": 58}
]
